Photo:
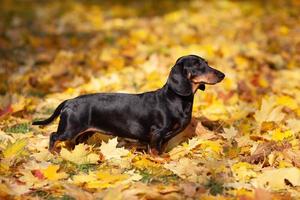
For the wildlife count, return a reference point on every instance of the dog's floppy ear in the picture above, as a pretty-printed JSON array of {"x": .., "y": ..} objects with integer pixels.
[{"x": 178, "y": 81}]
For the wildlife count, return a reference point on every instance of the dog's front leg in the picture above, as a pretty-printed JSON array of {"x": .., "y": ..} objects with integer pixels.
[{"x": 157, "y": 140}]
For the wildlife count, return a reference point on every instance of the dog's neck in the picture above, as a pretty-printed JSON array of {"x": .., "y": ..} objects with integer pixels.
[
  {"x": 169, "y": 92},
  {"x": 186, "y": 105}
]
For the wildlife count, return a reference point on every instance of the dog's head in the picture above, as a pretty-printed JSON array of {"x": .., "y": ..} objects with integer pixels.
[{"x": 191, "y": 73}]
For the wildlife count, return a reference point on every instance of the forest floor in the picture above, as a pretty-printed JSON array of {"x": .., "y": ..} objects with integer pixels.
[{"x": 243, "y": 142}]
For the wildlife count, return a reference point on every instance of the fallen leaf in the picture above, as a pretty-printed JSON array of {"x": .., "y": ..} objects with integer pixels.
[
  {"x": 111, "y": 151},
  {"x": 186, "y": 169},
  {"x": 51, "y": 173},
  {"x": 216, "y": 111},
  {"x": 243, "y": 171},
  {"x": 277, "y": 179},
  {"x": 5, "y": 191},
  {"x": 261, "y": 194},
  {"x": 185, "y": 148},
  {"x": 84, "y": 178},
  {"x": 104, "y": 179},
  {"x": 14, "y": 149},
  {"x": 278, "y": 135},
  {"x": 212, "y": 149},
  {"x": 287, "y": 101},
  {"x": 293, "y": 156},
  {"x": 263, "y": 150},
  {"x": 230, "y": 133},
  {"x": 29, "y": 179},
  {"x": 107, "y": 179},
  {"x": 12, "y": 152},
  {"x": 268, "y": 112},
  {"x": 190, "y": 189},
  {"x": 294, "y": 125},
  {"x": 154, "y": 168},
  {"x": 80, "y": 155},
  {"x": 78, "y": 193}
]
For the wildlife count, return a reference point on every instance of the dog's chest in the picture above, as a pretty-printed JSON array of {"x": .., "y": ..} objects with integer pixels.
[
  {"x": 185, "y": 112},
  {"x": 187, "y": 108}
]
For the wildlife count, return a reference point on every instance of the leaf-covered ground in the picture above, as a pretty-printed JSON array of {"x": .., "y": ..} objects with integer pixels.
[{"x": 243, "y": 142}]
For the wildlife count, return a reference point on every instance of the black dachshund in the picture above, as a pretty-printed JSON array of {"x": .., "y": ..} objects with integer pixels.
[{"x": 152, "y": 117}]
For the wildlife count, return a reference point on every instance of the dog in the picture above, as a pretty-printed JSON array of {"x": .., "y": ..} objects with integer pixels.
[{"x": 151, "y": 117}]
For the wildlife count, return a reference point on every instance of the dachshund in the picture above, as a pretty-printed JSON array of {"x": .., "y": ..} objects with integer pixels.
[{"x": 151, "y": 117}]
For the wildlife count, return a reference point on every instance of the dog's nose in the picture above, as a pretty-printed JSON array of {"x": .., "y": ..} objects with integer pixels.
[{"x": 220, "y": 75}]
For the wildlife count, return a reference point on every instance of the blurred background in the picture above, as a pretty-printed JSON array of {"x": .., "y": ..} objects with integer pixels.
[
  {"x": 247, "y": 125},
  {"x": 67, "y": 48}
]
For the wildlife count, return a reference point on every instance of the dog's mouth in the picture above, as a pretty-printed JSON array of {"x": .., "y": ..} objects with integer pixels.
[
  {"x": 210, "y": 79},
  {"x": 202, "y": 83},
  {"x": 206, "y": 83}
]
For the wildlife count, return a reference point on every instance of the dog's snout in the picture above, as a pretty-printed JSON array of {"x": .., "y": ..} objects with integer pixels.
[{"x": 220, "y": 75}]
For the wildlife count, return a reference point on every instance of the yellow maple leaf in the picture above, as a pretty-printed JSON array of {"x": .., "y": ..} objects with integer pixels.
[
  {"x": 294, "y": 125},
  {"x": 84, "y": 178},
  {"x": 12, "y": 152},
  {"x": 104, "y": 179},
  {"x": 43, "y": 155},
  {"x": 279, "y": 135},
  {"x": 230, "y": 133},
  {"x": 109, "y": 177},
  {"x": 268, "y": 112},
  {"x": 245, "y": 193},
  {"x": 287, "y": 101},
  {"x": 133, "y": 176},
  {"x": 110, "y": 150},
  {"x": 215, "y": 110},
  {"x": 243, "y": 171},
  {"x": 80, "y": 155},
  {"x": 185, "y": 168},
  {"x": 14, "y": 149},
  {"x": 142, "y": 163},
  {"x": 185, "y": 148},
  {"x": 51, "y": 173},
  {"x": 20, "y": 104},
  {"x": 29, "y": 179},
  {"x": 277, "y": 179},
  {"x": 211, "y": 148}
]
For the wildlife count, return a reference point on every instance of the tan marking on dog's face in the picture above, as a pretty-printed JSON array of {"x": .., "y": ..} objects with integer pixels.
[
  {"x": 195, "y": 87},
  {"x": 208, "y": 78}
]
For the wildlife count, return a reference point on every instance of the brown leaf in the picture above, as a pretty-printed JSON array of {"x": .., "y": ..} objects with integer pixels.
[
  {"x": 265, "y": 149},
  {"x": 191, "y": 190},
  {"x": 293, "y": 155},
  {"x": 261, "y": 194},
  {"x": 78, "y": 193}
]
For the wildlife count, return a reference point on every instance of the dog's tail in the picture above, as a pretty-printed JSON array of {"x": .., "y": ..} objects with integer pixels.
[{"x": 52, "y": 117}]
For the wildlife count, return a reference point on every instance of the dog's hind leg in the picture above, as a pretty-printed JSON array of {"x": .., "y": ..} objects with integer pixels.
[
  {"x": 67, "y": 130},
  {"x": 55, "y": 138},
  {"x": 52, "y": 142}
]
